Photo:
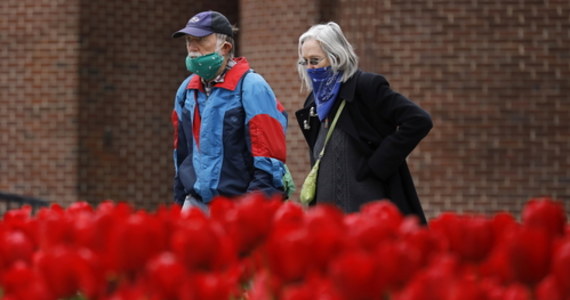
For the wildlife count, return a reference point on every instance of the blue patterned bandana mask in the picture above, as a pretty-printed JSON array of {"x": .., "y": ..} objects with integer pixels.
[{"x": 326, "y": 85}]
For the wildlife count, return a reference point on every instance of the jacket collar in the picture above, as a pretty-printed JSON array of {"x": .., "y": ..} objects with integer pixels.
[
  {"x": 348, "y": 88},
  {"x": 231, "y": 78}
]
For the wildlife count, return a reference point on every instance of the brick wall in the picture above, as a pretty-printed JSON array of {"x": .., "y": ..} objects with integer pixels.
[
  {"x": 86, "y": 90},
  {"x": 38, "y": 98}
]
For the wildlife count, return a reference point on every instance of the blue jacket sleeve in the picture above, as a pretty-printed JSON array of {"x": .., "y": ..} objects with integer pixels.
[
  {"x": 180, "y": 143},
  {"x": 266, "y": 124}
]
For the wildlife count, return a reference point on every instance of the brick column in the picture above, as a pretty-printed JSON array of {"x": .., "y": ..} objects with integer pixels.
[
  {"x": 269, "y": 35},
  {"x": 38, "y": 98},
  {"x": 130, "y": 69}
]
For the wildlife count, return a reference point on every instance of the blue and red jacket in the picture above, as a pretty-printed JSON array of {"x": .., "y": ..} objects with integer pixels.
[{"x": 230, "y": 142}]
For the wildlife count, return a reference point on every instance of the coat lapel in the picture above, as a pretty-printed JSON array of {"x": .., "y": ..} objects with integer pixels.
[{"x": 349, "y": 118}]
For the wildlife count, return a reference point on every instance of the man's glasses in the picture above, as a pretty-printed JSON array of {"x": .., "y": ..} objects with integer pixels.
[{"x": 313, "y": 61}]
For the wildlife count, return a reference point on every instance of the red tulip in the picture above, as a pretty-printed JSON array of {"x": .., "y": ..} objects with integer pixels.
[
  {"x": 202, "y": 244},
  {"x": 85, "y": 231},
  {"x": 297, "y": 292},
  {"x": 366, "y": 233},
  {"x": 545, "y": 213},
  {"x": 529, "y": 255},
  {"x": 23, "y": 212},
  {"x": 264, "y": 286},
  {"x": 60, "y": 268},
  {"x": 114, "y": 208},
  {"x": 15, "y": 246},
  {"x": 548, "y": 289},
  {"x": 55, "y": 228},
  {"x": 465, "y": 287},
  {"x": 211, "y": 286},
  {"x": 21, "y": 220},
  {"x": 431, "y": 283},
  {"x": 425, "y": 243},
  {"x": 288, "y": 214},
  {"x": 91, "y": 275},
  {"x": 129, "y": 248},
  {"x": 220, "y": 206},
  {"x": 561, "y": 266},
  {"x": 492, "y": 290},
  {"x": 249, "y": 222},
  {"x": 517, "y": 292},
  {"x": 326, "y": 234},
  {"x": 497, "y": 265},
  {"x": 378, "y": 221},
  {"x": 503, "y": 224},
  {"x": 79, "y": 207},
  {"x": 130, "y": 292},
  {"x": 289, "y": 253},
  {"x": 20, "y": 281},
  {"x": 384, "y": 212},
  {"x": 100, "y": 231},
  {"x": 409, "y": 225},
  {"x": 354, "y": 273},
  {"x": 312, "y": 288},
  {"x": 470, "y": 237},
  {"x": 165, "y": 275},
  {"x": 397, "y": 263},
  {"x": 282, "y": 251}
]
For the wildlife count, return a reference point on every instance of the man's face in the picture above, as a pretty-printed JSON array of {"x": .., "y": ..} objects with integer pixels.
[{"x": 198, "y": 46}]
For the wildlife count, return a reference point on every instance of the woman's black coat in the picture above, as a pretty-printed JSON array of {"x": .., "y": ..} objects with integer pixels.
[{"x": 385, "y": 127}]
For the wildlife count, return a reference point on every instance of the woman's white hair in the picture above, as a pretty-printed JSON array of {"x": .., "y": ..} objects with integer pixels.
[{"x": 335, "y": 46}]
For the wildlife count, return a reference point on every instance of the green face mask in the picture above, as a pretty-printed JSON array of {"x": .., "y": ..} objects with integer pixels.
[{"x": 205, "y": 66}]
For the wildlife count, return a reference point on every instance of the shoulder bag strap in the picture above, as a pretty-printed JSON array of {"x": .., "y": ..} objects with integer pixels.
[{"x": 333, "y": 125}]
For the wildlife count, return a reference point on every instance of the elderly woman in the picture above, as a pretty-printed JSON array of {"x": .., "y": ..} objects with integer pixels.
[{"x": 377, "y": 128}]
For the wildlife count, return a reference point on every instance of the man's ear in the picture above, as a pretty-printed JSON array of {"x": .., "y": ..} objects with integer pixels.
[{"x": 226, "y": 49}]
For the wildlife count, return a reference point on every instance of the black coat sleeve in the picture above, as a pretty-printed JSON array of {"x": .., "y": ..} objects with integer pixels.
[{"x": 404, "y": 122}]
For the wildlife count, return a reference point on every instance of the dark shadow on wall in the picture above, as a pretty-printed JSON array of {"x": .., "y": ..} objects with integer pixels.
[
  {"x": 129, "y": 70},
  {"x": 10, "y": 201},
  {"x": 327, "y": 10}
]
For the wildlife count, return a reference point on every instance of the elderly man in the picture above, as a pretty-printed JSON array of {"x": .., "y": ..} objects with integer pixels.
[{"x": 229, "y": 128}]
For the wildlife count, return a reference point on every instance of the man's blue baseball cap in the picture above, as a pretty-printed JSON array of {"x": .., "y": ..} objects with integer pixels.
[{"x": 206, "y": 23}]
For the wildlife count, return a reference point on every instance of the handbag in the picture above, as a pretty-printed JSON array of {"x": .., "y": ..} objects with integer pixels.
[{"x": 309, "y": 188}]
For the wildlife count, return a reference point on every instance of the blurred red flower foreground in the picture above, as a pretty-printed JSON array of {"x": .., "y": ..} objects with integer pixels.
[{"x": 260, "y": 249}]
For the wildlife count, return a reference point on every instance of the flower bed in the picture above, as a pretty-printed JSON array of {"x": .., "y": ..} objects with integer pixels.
[{"x": 259, "y": 249}]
